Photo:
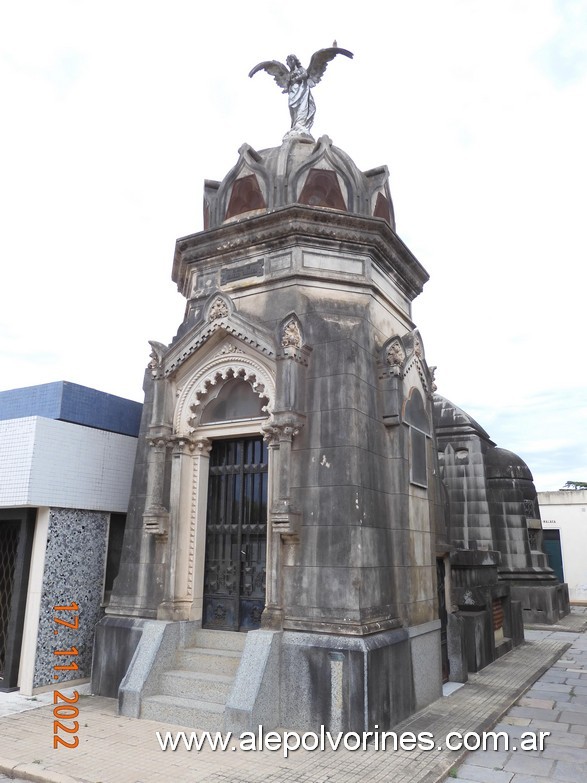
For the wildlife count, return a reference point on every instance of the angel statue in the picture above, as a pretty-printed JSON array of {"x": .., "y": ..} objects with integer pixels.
[{"x": 297, "y": 82}]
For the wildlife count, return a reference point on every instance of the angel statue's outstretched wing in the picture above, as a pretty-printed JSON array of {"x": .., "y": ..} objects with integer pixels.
[
  {"x": 320, "y": 60},
  {"x": 278, "y": 70}
]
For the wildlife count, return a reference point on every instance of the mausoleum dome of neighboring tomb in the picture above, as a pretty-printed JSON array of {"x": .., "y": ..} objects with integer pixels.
[
  {"x": 315, "y": 174},
  {"x": 501, "y": 463},
  {"x": 449, "y": 417}
]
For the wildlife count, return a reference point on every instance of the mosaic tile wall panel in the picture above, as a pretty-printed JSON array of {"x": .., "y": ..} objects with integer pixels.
[{"x": 74, "y": 571}]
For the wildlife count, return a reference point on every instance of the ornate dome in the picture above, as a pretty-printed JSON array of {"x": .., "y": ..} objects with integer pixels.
[{"x": 317, "y": 174}]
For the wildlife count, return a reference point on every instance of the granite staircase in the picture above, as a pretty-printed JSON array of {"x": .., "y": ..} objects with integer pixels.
[{"x": 194, "y": 692}]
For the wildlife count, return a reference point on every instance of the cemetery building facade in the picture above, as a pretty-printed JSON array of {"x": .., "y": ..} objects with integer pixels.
[{"x": 66, "y": 456}]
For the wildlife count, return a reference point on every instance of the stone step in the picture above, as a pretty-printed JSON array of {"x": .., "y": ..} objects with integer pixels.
[
  {"x": 196, "y": 685},
  {"x": 219, "y": 640},
  {"x": 190, "y": 713},
  {"x": 208, "y": 660}
]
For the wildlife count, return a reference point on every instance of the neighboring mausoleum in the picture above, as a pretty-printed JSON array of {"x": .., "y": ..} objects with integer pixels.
[{"x": 66, "y": 457}]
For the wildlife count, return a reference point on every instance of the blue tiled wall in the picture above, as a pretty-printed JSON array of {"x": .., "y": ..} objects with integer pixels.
[
  {"x": 66, "y": 401},
  {"x": 44, "y": 400}
]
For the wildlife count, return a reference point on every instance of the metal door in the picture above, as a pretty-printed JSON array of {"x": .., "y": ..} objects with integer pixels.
[
  {"x": 551, "y": 544},
  {"x": 236, "y": 535}
]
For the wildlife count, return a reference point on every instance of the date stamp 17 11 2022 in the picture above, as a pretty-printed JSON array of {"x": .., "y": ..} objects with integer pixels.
[{"x": 65, "y": 710}]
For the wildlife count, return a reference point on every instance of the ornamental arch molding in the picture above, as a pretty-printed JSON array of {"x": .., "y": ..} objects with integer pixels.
[{"x": 214, "y": 373}]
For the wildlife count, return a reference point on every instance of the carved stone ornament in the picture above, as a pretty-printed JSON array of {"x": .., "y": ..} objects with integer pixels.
[
  {"x": 292, "y": 337},
  {"x": 433, "y": 386},
  {"x": 219, "y": 309},
  {"x": 395, "y": 354},
  {"x": 156, "y": 356},
  {"x": 297, "y": 82},
  {"x": 226, "y": 349},
  {"x": 274, "y": 433},
  {"x": 418, "y": 348}
]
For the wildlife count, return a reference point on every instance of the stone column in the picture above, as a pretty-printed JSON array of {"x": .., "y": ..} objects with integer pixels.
[
  {"x": 199, "y": 507},
  {"x": 187, "y": 530},
  {"x": 283, "y": 517},
  {"x": 156, "y": 516}
]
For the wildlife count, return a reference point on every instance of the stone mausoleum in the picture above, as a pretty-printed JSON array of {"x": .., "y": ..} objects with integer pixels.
[{"x": 287, "y": 481}]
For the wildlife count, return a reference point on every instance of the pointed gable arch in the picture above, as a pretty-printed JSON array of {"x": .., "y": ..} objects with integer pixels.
[
  {"x": 228, "y": 362},
  {"x": 323, "y": 159},
  {"x": 321, "y": 189},
  {"x": 245, "y": 188},
  {"x": 219, "y": 321}
]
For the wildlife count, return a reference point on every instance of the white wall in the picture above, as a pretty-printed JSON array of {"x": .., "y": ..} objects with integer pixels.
[
  {"x": 566, "y": 511},
  {"x": 44, "y": 462}
]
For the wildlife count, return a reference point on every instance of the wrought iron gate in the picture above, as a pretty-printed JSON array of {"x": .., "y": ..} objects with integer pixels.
[
  {"x": 16, "y": 537},
  {"x": 236, "y": 535},
  {"x": 9, "y": 537}
]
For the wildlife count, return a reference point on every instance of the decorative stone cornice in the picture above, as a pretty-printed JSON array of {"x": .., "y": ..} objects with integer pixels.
[{"x": 294, "y": 225}]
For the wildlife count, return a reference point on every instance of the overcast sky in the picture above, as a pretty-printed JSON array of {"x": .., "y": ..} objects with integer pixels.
[{"x": 114, "y": 112}]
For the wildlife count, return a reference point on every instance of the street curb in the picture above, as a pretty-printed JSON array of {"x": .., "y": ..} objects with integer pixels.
[{"x": 34, "y": 773}]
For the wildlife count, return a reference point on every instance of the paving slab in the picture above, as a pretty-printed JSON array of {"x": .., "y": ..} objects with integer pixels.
[
  {"x": 569, "y": 772},
  {"x": 564, "y": 757}
]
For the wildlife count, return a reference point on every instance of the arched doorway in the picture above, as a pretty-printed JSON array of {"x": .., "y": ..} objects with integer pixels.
[{"x": 236, "y": 534}]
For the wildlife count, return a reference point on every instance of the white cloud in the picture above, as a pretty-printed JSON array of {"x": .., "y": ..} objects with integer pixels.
[{"x": 114, "y": 113}]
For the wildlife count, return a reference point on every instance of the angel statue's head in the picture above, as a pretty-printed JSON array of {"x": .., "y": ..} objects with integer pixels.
[{"x": 293, "y": 62}]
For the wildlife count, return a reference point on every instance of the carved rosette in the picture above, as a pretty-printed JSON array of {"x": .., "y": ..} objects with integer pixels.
[
  {"x": 404, "y": 353},
  {"x": 218, "y": 309},
  {"x": 227, "y": 349},
  {"x": 395, "y": 356},
  {"x": 291, "y": 336}
]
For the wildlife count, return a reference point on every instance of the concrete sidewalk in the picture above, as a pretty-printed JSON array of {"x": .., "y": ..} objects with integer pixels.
[{"x": 114, "y": 749}]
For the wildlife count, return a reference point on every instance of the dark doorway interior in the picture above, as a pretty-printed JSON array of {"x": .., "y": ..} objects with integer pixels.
[
  {"x": 114, "y": 552},
  {"x": 17, "y": 527}
]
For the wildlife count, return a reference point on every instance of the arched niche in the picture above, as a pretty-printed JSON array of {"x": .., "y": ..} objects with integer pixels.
[{"x": 235, "y": 400}]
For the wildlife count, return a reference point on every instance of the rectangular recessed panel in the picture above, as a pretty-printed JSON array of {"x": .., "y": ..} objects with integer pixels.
[{"x": 332, "y": 263}]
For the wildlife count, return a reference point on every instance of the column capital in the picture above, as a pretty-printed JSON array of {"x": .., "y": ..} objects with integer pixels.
[
  {"x": 283, "y": 427},
  {"x": 202, "y": 446},
  {"x": 158, "y": 443}
]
